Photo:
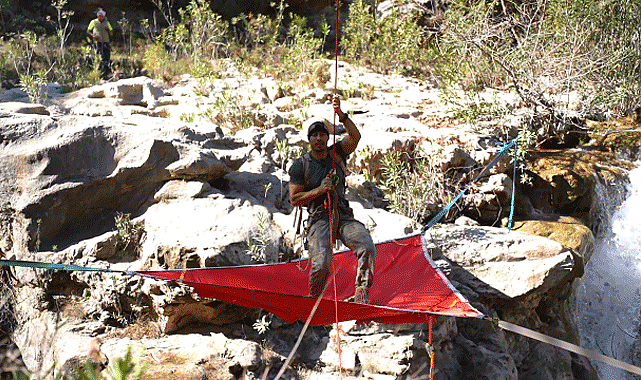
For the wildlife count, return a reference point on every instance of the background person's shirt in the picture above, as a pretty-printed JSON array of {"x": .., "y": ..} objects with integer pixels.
[{"x": 100, "y": 29}]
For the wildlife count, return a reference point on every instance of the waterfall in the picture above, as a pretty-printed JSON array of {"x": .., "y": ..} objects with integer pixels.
[{"x": 608, "y": 297}]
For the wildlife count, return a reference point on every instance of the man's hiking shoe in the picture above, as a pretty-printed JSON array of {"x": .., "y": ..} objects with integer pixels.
[{"x": 361, "y": 295}]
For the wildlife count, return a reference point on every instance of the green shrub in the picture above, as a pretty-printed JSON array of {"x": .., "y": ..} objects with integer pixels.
[
  {"x": 390, "y": 45},
  {"x": 35, "y": 86},
  {"x": 301, "y": 47},
  {"x": 38, "y": 58},
  {"x": 471, "y": 107},
  {"x": 542, "y": 49},
  {"x": 263, "y": 42},
  {"x": 187, "y": 46},
  {"x": 129, "y": 234},
  {"x": 414, "y": 184},
  {"x": 258, "y": 242},
  {"x": 233, "y": 110}
]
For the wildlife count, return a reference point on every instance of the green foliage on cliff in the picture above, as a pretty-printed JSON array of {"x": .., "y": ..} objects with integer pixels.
[{"x": 546, "y": 47}]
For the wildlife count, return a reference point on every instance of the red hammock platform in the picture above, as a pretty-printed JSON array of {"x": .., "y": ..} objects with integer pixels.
[{"x": 408, "y": 287}]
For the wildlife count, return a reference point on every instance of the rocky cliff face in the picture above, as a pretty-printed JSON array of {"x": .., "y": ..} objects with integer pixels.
[{"x": 111, "y": 177}]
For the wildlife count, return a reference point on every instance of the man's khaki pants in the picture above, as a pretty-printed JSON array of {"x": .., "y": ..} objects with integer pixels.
[{"x": 355, "y": 236}]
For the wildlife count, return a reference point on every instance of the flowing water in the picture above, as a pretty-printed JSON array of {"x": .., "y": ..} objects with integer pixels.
[{"x": 608, "y": 298}]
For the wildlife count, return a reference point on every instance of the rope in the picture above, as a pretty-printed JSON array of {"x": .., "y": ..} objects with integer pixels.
[
  {"x": 331, "y": 239},
  {"x": 63, "y": 267},
  {"x": 504, "y": 151},
  {"x": 510, "y": 223},
  {"x": 430, "y": 348},
  {"x": 331, "y": 207},
  {"x": 300, "y": 336},
  {"x": 338, "y": 331}
]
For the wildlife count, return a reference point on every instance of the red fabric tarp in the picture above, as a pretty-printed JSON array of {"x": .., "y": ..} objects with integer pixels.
[{"x": 407, "y": 288}]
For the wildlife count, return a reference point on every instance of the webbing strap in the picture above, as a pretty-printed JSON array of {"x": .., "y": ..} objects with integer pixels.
[
  {"x": 65, "y": 267},
  {"x": 568, "y": 346},
  {"x": 504, "y": 151}
]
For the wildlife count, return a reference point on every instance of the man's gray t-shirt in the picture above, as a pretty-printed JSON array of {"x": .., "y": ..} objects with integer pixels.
[{"x": 318, "y": 171}]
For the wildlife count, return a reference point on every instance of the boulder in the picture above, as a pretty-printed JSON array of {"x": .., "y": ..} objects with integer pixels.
[
  {"x": 198, "y": 165},
  {"x": 454, "y": 157},
  {"x": 139, "y": 91},
  {"x": 360, "y": 188},
  {"x": 509, "y": 264},
  {"x": 23, "y": 108},
  {"x": 14, "y": 95},
  {"x": 489, "y": 200},
  {"x": 368, "y": 158},
  {"x": 572, "y": 176}
]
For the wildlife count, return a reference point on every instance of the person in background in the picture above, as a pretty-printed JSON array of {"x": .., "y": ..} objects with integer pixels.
[{"x": 100, "y": 31}]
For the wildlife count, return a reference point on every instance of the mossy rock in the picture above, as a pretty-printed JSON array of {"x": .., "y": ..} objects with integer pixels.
[
  {"x": 621, "y": 135},
  {"x": 572, "y": 174},
  {"x": 566, "y": 230}
]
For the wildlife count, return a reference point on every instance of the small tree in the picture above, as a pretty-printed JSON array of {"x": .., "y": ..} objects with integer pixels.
[{"x": 63, "y": 27}]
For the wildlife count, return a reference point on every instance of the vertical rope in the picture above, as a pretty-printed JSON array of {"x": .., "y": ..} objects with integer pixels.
[
  {"x": 430, "y": 349},
  {"x": 338, "y": 331},
  {"x": 335, "y": 79},
  {"x": 331, "y": 206},
  {"x": 510, "y": 223}
]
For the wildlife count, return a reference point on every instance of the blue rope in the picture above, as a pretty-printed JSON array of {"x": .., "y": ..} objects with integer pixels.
[
  {"x": 65, "y": 267},
  {"x": 504, "y": 151},
  {"x": 510, "y": 222},
  {"x": 435, "y": 220}
]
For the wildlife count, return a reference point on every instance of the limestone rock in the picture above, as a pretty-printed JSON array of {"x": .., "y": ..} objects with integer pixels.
[
  {"x": 178, "y": 189},
  {"x": 23, "y": 108},
  {"x": 95, "y": 360},
  {"x": 465, "y": 221},
  {"x": 14, "y": 95},
  {"x": 373, "y": 148},
  {"x": 367, "y": 191},
  {"x": 180, "y": 315},
  {"x": 490, "y": 201},
  {"x": 571, "y": 177},
  {"x": 511, "y": 263},
  {"x": 139, "y": 91},
  {"x": 200, "y": 165},
  {"x": 455, "y": 157},
  {"x": 217, "y": 229}
]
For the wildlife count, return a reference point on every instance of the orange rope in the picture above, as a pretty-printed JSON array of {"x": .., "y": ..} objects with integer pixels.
[{"x": 430, "y": 349}]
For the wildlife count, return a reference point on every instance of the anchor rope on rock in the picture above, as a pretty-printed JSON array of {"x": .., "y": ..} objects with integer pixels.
[{"x": 513, "y": 144}]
